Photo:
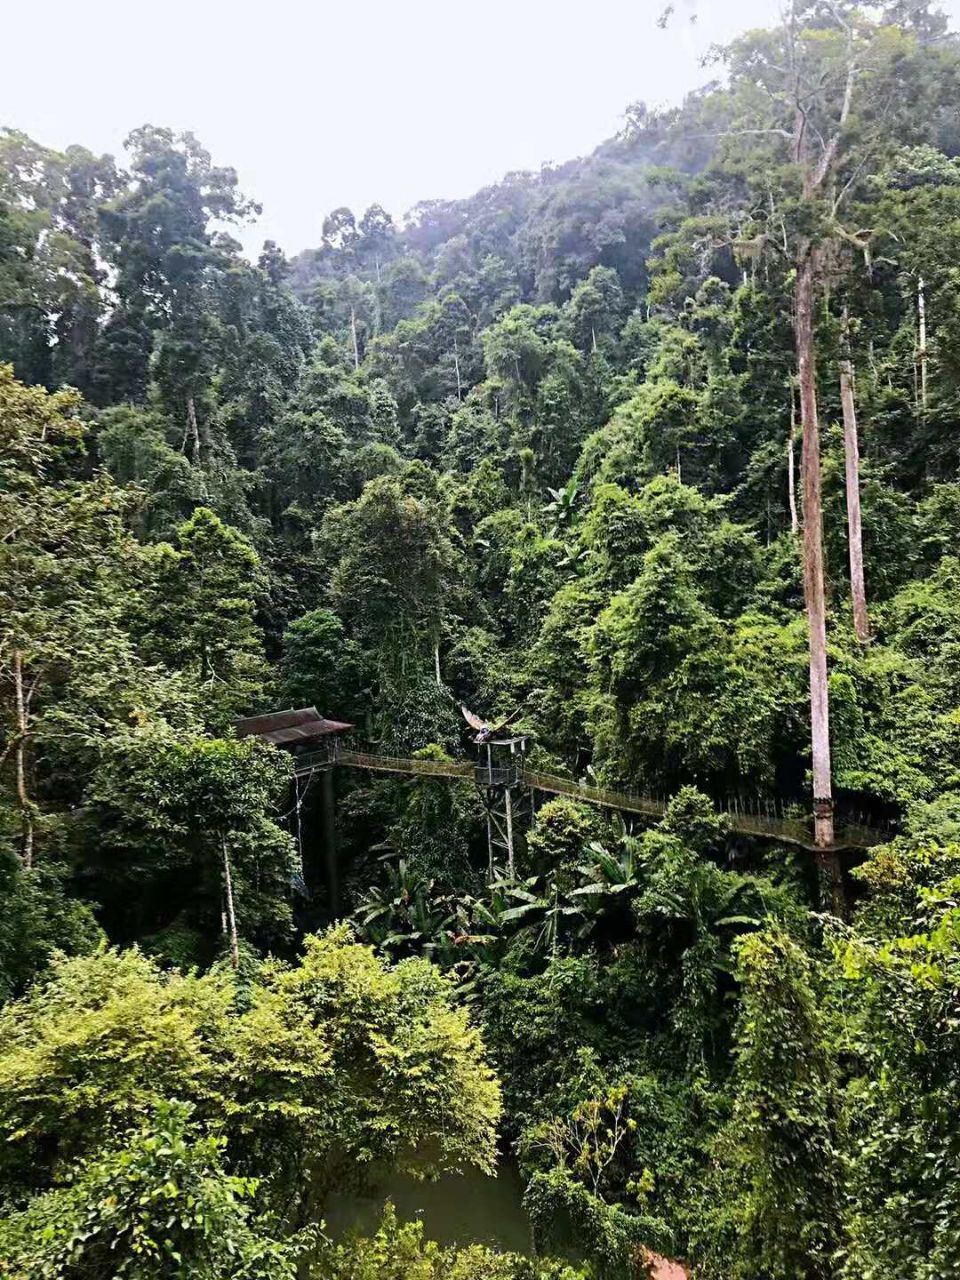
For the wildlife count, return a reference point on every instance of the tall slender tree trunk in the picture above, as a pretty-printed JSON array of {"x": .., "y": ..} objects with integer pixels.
[
  {"x": 20, "y": 762},
  {"x": 922, "y": 321},
  {"x": 231, "y": 913},
  {"x": 353, "y": 334},
  {"x": 456, "y": 365},
  {"x": 377, "y": 302},
  {"x": 791, "y": 466},
  {"x": 194, "y": 429},
  {"x": 813, "y": 574},
  {"x": 851, "y": 453}
]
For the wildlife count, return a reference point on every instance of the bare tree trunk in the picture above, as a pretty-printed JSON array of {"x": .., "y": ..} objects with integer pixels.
[
  {"x": 231, "y": 913},
  {"x": 194, "y": 429},
  {"x": 456, "y": 365},
  {"x": 813, "y": 575},
  {"x": 791, "y": 473},
  {"x": 436, "y": 662},
  {"x": 922, "y": 317},
  {"x": 20, "y": 753},
  {"x": 353, "y": 333},
  {"x": 851, "y": 453}
]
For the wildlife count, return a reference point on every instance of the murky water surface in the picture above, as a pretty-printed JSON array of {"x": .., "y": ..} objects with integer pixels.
[{"x": 467, "y": 1208}]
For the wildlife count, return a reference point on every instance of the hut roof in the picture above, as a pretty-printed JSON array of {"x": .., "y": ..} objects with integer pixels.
[{"x": 287, "y": 728}]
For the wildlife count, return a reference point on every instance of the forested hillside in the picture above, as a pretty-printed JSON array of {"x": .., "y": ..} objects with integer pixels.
[{"x": 658, "y": 450}]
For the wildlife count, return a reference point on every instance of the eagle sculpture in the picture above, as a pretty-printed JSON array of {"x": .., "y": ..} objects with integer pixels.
[{"x": 483, "y": 731}]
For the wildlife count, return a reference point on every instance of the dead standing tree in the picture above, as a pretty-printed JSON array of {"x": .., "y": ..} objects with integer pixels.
[
  {"x": 821, "y": 111},
  {"x": 799, "y": 94},
  {"x": 825, "y": 65},
  {"x": 24, "y": 687},
  {"x": 828, "y": 92},
  {"x": 851, "y": 454}
]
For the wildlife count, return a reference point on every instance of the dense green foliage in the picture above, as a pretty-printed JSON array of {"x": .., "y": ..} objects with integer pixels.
[
  {"x": 297, "y": 1076},
  {"x": 536, "y": 449},
  {"x": 399, "y": 1252}
]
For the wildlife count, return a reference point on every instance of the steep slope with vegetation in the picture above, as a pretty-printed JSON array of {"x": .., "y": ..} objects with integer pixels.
[{"x": 659, "y": 446}]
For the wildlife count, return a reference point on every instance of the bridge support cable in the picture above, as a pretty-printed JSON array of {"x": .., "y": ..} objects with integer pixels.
[{"x": 506, "y": 791}]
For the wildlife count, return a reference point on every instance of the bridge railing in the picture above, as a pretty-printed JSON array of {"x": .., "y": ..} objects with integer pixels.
[
  {"x": 401, "y": 764},
  {"x": 627, "y": 801},
  {"x": 489, "y": 777},
  {"x": 795, "y": 831},
  {"x": 307, "y": 761}
]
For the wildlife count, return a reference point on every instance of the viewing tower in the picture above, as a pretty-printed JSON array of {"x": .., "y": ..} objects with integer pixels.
[{"x": 499, "y": 777}]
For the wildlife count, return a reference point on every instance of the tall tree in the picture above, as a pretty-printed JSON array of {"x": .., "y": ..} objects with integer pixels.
[
  {"x": 197, "y": 614},
  {"x": 52, "y": 258},
  {"x": 64, "y": 585},
  {"x": 394, "y": 572},
  {"x": 192, "y": 822},
  {"x": 830, "y": 93},
  {"x": 160, "y": 233},
  {"x": 851, "y": 453}
]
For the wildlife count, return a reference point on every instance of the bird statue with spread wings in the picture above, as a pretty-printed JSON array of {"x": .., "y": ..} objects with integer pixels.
[{"x": 484, "y": 732}]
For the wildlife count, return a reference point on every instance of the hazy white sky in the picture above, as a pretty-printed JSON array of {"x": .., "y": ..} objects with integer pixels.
[{"x": 319, "y": 104}]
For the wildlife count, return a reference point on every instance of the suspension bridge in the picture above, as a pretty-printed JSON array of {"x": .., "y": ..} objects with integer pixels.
[
  {"x": 507, "y": 785},
  {"x": 757, "y": 822}
]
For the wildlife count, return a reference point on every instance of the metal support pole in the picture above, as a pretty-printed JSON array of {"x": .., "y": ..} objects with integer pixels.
[
  {"x": 297, "y": 804},
  {"x": 330, "y": 840},
  {"x": 508, "y": 805}
]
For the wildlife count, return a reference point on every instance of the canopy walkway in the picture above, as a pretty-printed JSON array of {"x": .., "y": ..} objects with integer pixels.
[{"x": 761, "y": 826}]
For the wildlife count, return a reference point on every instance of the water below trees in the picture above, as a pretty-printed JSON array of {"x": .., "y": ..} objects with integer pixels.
[{"x": 457, "y": 1209}]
